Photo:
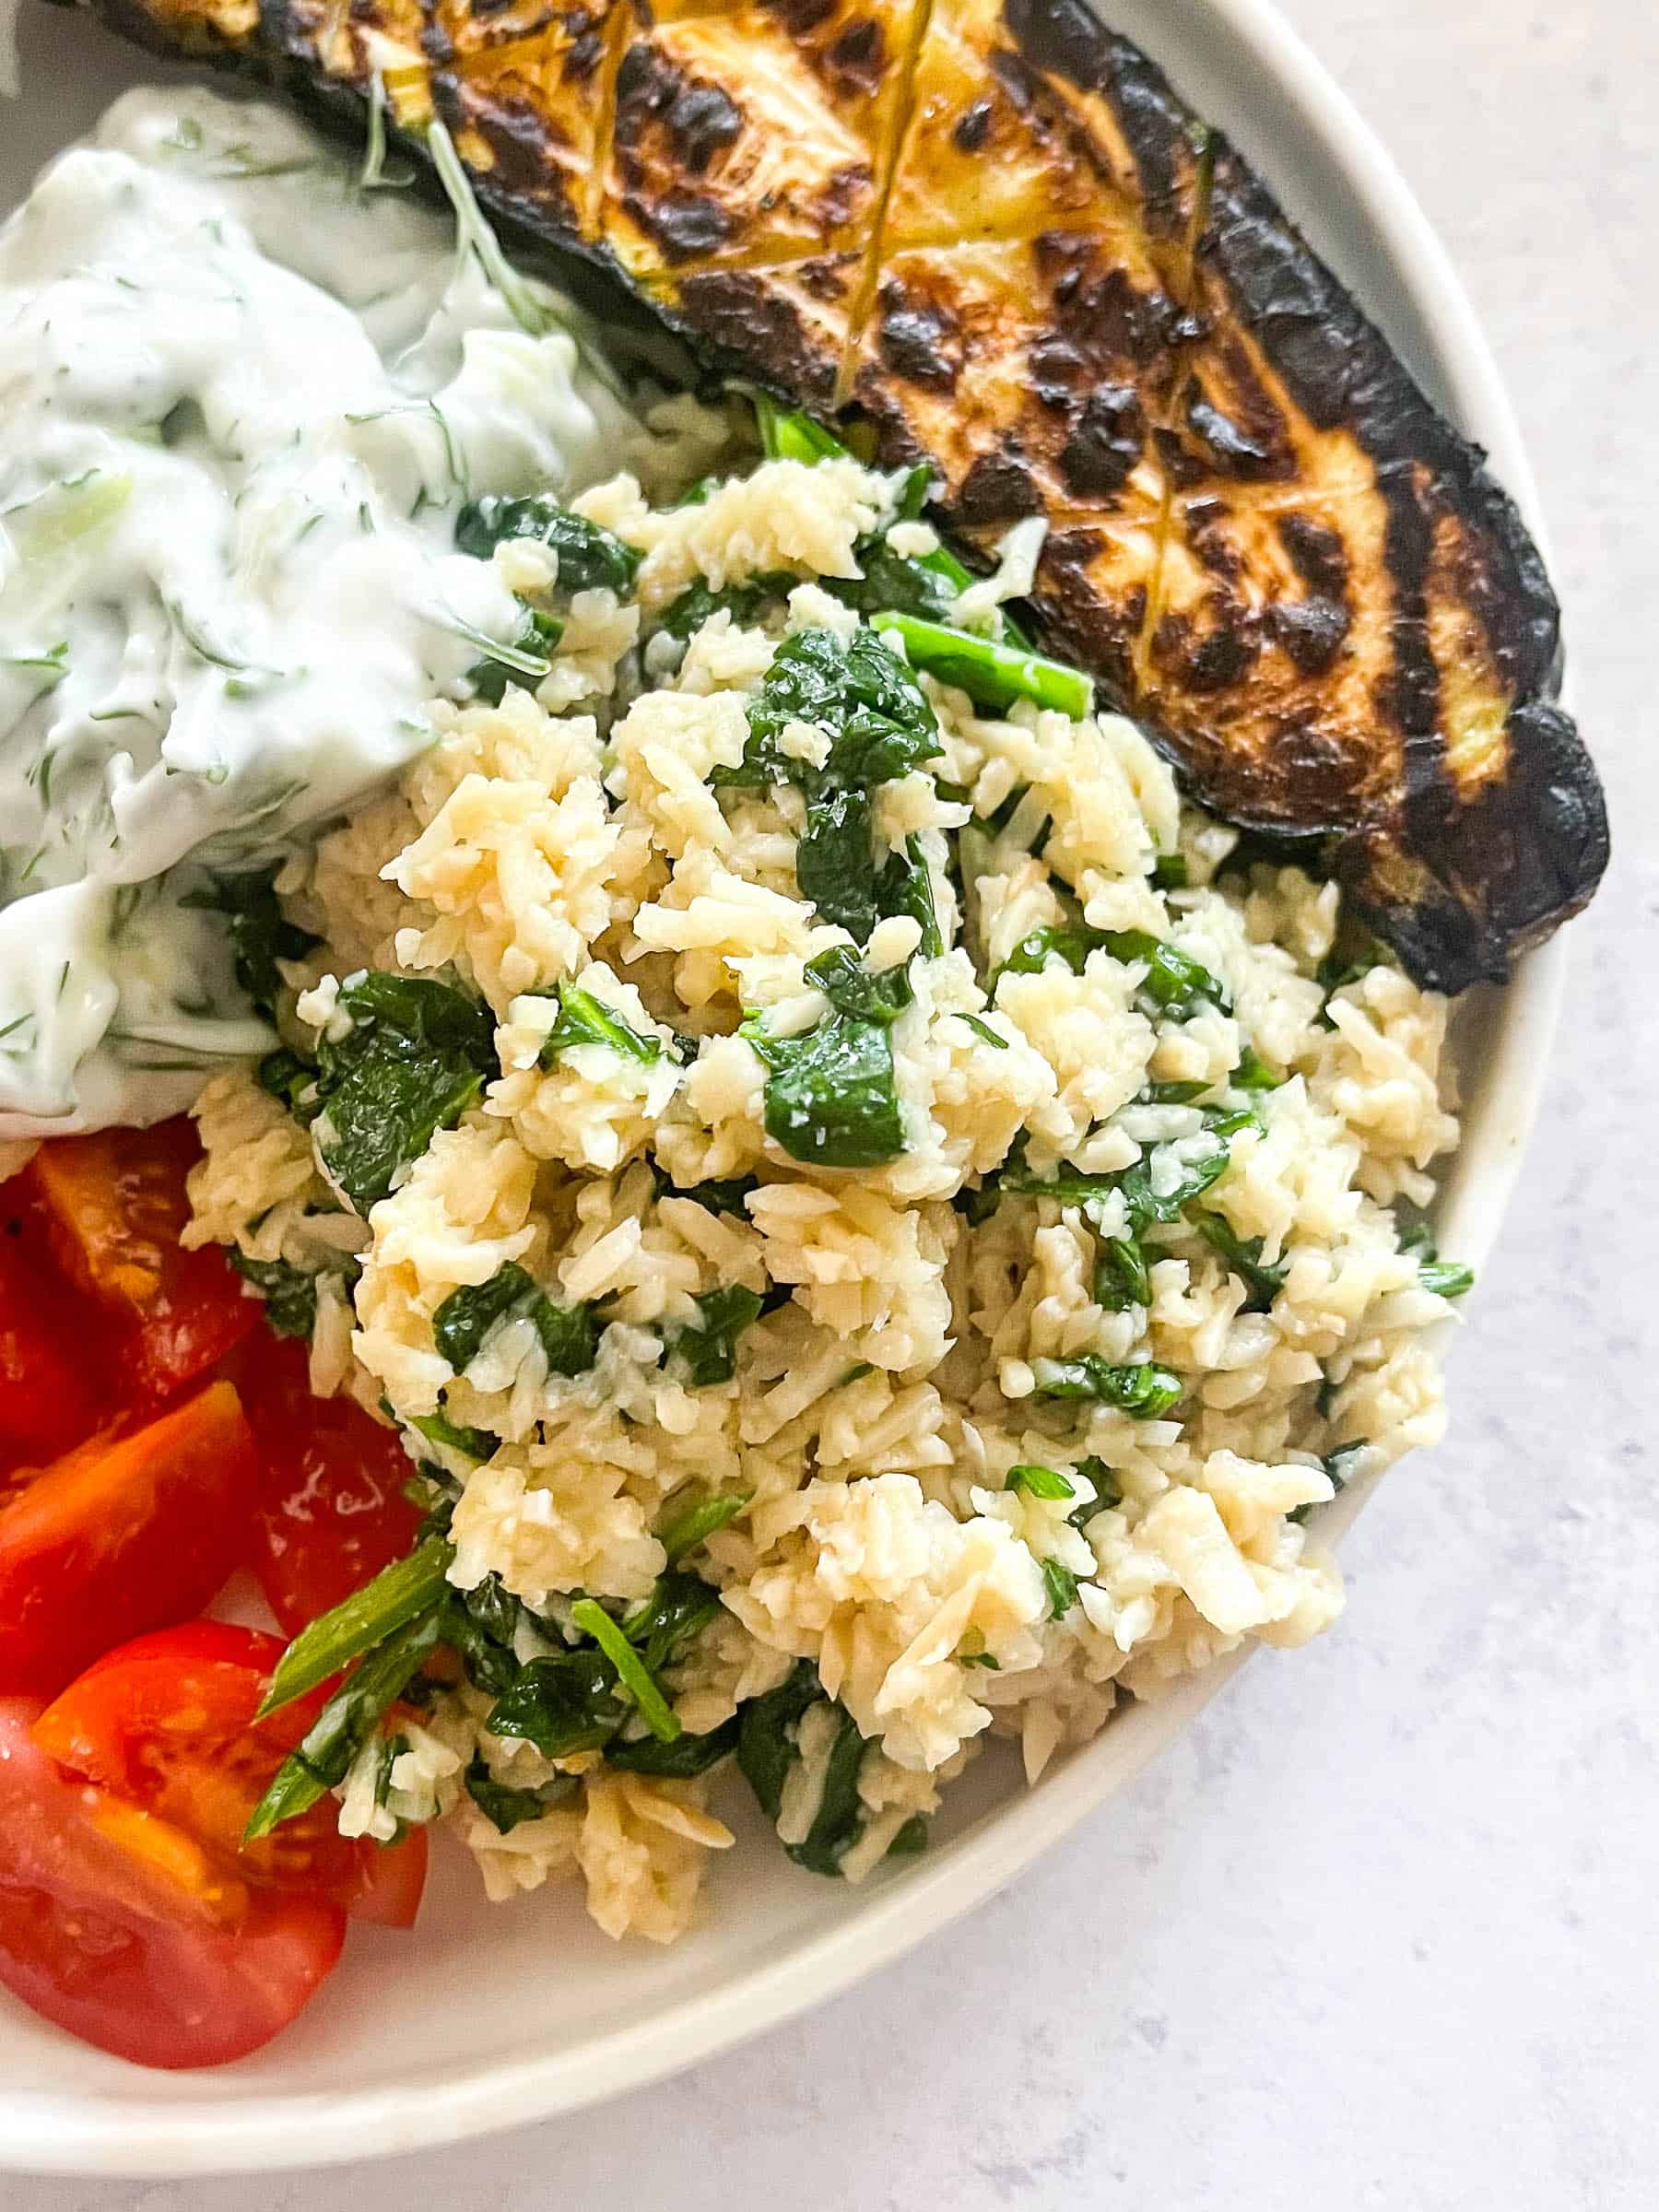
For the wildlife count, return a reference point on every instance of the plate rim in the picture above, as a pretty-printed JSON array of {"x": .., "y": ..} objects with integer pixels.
[{"x": 93, "y": 2136}]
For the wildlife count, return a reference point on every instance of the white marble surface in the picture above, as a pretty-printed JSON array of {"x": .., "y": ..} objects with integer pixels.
[{"x": 1382, "y": 1937}]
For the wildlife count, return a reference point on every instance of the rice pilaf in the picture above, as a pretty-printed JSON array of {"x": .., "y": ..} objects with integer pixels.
[{"x": 984, "y": 1457}]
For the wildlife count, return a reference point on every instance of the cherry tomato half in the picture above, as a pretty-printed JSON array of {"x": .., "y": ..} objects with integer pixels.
[
  {"x": 55, "y": 1380},
  {"x": 331, "y": 1510},
  {"x": 122, "y": 1535},
  {"x": 118, "y": 1205},
  {"x": 120, "y": 1929},
  {"x": 166, "y": 1722}
]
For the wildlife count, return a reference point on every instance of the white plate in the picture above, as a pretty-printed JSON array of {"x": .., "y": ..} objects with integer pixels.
[{"x": 488, "y": 2018}]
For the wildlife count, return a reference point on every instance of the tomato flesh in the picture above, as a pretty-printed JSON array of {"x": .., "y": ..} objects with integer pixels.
[
  {"x": 54, "y": 1387},
  {"x": 119, "y": 1205},
  {"x": 106, "y": 1931},
  {"x": 168, "y": 1723},
  {"x": 122, "y": 1534},
  {"x": 331, "y": 1510}
]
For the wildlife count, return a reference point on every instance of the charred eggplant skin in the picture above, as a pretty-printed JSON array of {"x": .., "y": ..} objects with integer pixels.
[
  {"x": 1458, "y": 863},
  {"x": 1266, "y": 543}
]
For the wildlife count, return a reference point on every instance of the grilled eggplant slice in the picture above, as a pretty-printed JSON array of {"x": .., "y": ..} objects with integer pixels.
[{"x": 990, "y": 230}]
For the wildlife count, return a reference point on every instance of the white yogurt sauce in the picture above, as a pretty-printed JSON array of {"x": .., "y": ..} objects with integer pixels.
[{"x": 241, "y": 398}]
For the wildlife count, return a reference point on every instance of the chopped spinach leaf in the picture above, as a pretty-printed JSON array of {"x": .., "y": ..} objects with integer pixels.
[
  {"x": 1174, "y": 983},
  {"x": 1062, "y": 1586},
  {"x": 1070, "y": 1186},
  {"x": 1341, "y": 1465},
  {"x": 679, "y": 1607},
  {"x": 505, "y": 1807},
  {"x": 1108, "y": 1489},
  {"x": 699, "y": 601},
  {"x": 1143, "y": 1392},
  {"x": 1243, "y": 1256},
  {"x": 1169, "y": 872},
  {"x": 286, "y": 1076},
  {"x": 850, "y": 989},
  {"x": 1068, "y": 942},
  {"x": 487, "y": 1653},
  {"x": 1446, "y": 1278},
  {"x": 716, "y": 1197},
  {"x": 1253, "y": 1072},
  {"x": 467, "y": 1317},
  {"x": 911, "y": 1839},
  {"x": 289, "y": 1294},
  {"x": 835, "y": 864},
  {"x": 1144, "y": 1203},
  {"x": 1121, "y": 1279},
  {"x": 569, "y": 1334},
  {"x": 260, "y": 937},
  {"x": 898, "y": 584},
  {"x": 529, "y": 657},
  {"x": 880, "y": 727},
  {"x": 767, "y": 1747},
  {"x": 495, "y": 1609},
  {"x": 905, "y": 887},
  {"x": 588, "y": 555},
  {"x": 416, "y": 1057},
  {"x": 584, "y": 1019},
  {"x": 831, "y": 1096},
  {"x": 877, "y": 717},
  {"x": 708, "y": 1352},
  {"x": 562, "y": 1705},
  {"x": 685, "y": 1755},
  {"x": 1199, "y": 1172}
]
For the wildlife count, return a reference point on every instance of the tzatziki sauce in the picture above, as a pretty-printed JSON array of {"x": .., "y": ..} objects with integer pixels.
[{"x": 243, "y": 395}]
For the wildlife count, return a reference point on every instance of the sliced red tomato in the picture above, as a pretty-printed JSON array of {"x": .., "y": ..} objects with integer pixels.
[
  {"x": 168, "y": 1722},
  {"x": 55, "y": 1387},
  {"x": 332, "y": 1511},
  {"x": 122, "y": 1534},
  {"x": 119, "y": 1928},
  {"x": 118, "y": 1204}
]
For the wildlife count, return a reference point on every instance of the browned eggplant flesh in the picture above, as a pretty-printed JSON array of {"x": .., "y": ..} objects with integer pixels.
[{"x": 992, "y": 234}]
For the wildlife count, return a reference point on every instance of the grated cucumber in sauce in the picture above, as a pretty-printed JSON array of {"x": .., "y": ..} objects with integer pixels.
[{"x": 243, "y": 395}]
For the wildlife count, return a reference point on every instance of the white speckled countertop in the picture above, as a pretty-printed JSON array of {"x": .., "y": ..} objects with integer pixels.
[{"x": 1382, "y": 1936}]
